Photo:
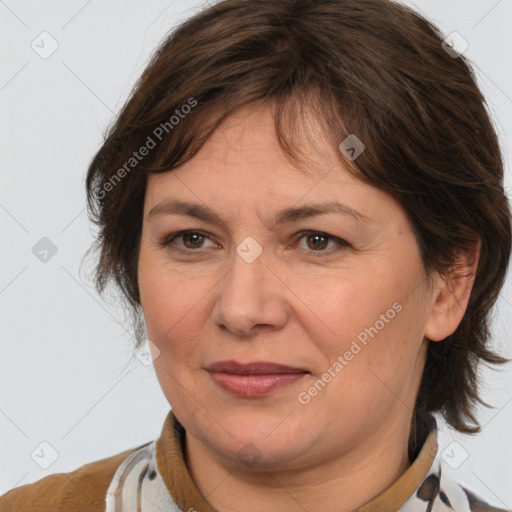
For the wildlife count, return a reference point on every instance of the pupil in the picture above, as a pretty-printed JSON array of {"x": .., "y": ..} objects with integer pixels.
[
  {"x": 193, "y": 237},
  {"x": 317, "y": 238}
]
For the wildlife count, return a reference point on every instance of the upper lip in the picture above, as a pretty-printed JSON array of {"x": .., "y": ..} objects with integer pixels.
[{"x": 254, "y": 368}]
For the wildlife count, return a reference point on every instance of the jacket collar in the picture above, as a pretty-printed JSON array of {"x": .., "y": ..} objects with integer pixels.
[{"x": 413, "y": 486}]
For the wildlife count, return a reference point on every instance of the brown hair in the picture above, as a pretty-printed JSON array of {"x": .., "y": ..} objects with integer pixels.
[{"x": 367, "y": 67}]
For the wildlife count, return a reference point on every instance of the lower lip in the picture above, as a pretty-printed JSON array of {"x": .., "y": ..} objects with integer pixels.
[{"x": 254, "y": 385}]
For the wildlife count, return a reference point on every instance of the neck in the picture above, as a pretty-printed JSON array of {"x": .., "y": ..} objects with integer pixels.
[{"x": 341, "y": 483}]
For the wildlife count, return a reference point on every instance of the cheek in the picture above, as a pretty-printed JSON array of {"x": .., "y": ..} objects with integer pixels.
[
  {"x": 373, "y": 325},
  {"x": 346, "y": 308},
  {"x": 383, "y": 360},
  {"x": 169, "y": 298}
]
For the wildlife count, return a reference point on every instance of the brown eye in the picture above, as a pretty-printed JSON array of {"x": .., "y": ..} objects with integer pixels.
[
  {"x": 317, "y": 243},
  {"x": 190, "y": 240}
]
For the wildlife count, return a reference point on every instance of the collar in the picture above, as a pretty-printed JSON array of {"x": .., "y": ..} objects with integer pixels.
[{"x": 416, "y": 485}]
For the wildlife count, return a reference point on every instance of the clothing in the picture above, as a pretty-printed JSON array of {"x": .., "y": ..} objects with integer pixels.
[{"x": 154, "y": 478}]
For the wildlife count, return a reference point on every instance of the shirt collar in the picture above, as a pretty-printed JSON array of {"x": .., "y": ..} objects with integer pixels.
[{"x": 170, "y": 456}]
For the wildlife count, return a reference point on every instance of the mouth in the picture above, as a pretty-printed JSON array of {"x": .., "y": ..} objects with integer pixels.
[{"x": 253, "y": 380}]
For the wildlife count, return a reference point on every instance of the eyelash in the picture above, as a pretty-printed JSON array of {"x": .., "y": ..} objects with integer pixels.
[{"x": 166, "y": 243}]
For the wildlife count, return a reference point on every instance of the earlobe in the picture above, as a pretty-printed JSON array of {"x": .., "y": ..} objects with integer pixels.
[{"x": 451, "y": 292}]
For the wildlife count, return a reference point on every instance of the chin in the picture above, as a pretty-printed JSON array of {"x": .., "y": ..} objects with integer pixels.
[{"x": 261, "y": 442}]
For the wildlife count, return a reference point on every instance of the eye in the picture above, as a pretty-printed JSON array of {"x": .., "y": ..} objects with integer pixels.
[
  {"x": 317, "y": 242},
  {"x": 191, "y": 240}
]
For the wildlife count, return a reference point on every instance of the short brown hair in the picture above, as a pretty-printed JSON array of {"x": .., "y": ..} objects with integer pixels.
[{"x": 367, "y": 67}]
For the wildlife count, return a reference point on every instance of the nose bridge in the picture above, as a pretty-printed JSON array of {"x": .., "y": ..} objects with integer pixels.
[
  {"x": 248, "y": 295},
  {"x": 246, "y": 280}
]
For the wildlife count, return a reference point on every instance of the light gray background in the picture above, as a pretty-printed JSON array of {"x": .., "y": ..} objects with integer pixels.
[{"x": 67, "y": 376}]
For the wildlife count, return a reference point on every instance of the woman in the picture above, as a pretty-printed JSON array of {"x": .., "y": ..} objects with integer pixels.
[{"x": 302, "y": 202}]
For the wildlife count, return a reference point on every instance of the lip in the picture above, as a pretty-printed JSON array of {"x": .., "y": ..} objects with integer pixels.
[
  {"x": 253, "y": 368},
  {"x": 255, "y": 379}
]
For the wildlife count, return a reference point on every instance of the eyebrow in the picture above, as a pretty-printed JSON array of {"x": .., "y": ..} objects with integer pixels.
[{"x": 204, "y": 213}]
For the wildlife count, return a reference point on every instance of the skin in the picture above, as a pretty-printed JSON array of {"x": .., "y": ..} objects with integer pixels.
[{"x": 205, "y": 303}]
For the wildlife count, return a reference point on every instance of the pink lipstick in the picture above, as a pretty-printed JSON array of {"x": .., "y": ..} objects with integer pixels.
[{"x": 255, "y": 379}]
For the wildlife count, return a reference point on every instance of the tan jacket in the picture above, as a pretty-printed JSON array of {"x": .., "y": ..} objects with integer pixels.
[{"x": 154, "y": 478}]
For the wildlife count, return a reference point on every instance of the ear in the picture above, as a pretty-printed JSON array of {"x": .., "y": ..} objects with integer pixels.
[{"x": 450, "y": 295}]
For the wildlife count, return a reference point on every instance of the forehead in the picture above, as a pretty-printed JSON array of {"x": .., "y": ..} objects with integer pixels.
[
  {"x": 247, "y": 140},
  {"x": 242, "y": 168}
]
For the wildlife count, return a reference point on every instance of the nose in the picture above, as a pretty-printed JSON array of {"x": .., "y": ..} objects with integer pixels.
[{"x": 251, "y": 298}]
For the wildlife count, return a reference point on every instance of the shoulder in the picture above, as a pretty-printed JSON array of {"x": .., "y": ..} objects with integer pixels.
[
  {"x": 81, "y": 490},
  {"x": 456, "y": 496},
  {"x": 477, "y": 504},
  {"x": 447, "y": 495},
  {"x": 439, "y": 491}
]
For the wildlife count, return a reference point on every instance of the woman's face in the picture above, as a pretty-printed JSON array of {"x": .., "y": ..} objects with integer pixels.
[{"x": 339, "y": 297}]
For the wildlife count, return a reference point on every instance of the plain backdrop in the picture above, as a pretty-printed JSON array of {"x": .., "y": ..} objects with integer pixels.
[{"x": 71, "y": 391}]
